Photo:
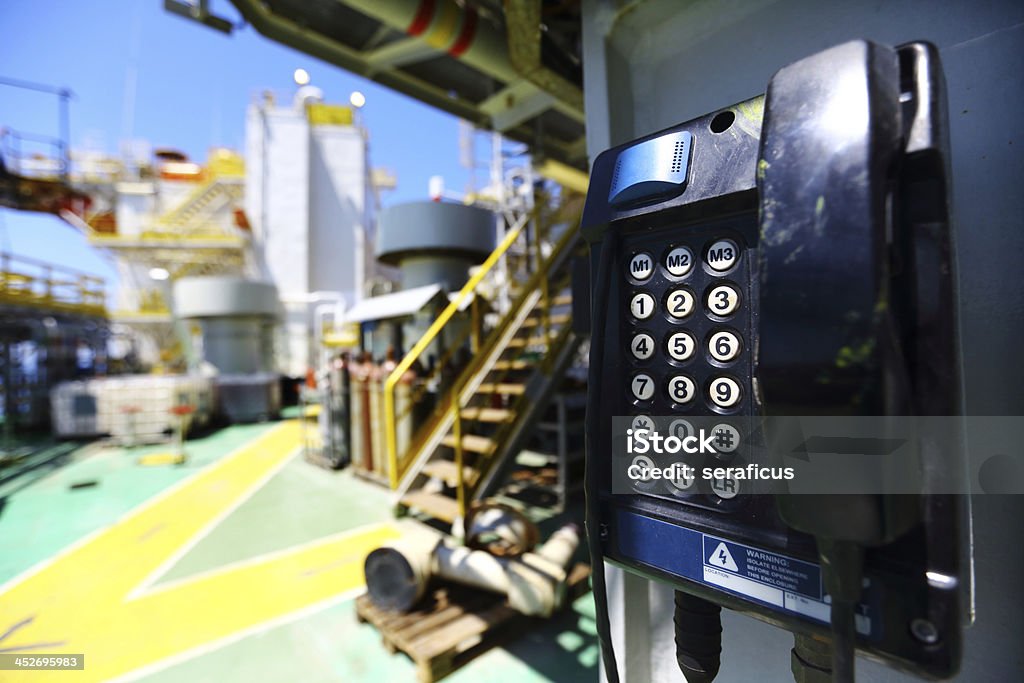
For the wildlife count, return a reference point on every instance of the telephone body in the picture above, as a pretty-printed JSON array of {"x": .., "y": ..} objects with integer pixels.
[{"x": 734, "y": 259}]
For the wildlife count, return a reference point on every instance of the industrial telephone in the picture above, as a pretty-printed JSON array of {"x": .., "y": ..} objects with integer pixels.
[{"x": 789, "y": 255}]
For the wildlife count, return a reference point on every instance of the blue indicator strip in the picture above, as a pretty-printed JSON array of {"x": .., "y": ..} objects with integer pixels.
[{"x": 780, "y": 582}]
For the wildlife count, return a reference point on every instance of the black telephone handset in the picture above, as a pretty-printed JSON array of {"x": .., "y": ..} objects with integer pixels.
[{"x": 790, "y": 255}]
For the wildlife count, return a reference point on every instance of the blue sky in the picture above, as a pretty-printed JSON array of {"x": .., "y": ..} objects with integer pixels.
[{"x": 193, "y": 85}]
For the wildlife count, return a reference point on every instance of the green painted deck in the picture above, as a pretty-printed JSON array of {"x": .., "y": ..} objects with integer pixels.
[{"x": 297, "y": 505}]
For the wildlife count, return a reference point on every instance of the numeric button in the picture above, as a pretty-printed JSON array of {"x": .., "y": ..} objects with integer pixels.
[
  {"x": 723, "y": 300},
  {"x": 641, "y": 305},
  {"x": 724, "y": 346},
  {"x": 680, "y": 346},
  {"x": 641, "y": 266},
  {"x": 679, "y": 261},
  {"x": 642, "y": 387},
  {"x": 679, "y": 303},
  {"x": 725, "y": 392},
  {"x": 681, "y": 389},
  {"x": 642, "y": 346},
  {"x": 722, "y": 255}
]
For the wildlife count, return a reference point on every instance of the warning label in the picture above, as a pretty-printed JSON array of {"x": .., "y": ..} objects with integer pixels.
[{"x": 771, "y": 569}]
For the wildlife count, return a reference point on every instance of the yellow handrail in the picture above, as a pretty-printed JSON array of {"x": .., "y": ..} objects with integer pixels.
[
  {"x": 538, "y": 280},
  {"x": 53, "y": 286},
  {"x": 390, "y": 427}
]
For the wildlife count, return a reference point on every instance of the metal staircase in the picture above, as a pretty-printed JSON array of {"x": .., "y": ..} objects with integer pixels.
[
  {"x": 486, "y": 416},
  {"x": 203, "y": 201}
]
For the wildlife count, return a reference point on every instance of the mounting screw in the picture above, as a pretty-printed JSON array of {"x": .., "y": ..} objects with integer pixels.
[
  {"x": 602, "y": 531},
  {"x": 924, "y": 631}
]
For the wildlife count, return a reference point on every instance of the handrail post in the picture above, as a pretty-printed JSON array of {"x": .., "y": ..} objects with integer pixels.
[
  {"x": 390, "y": 430},
  {"x": 460, "y": 484},
  {"x": 476, "y": 323}
]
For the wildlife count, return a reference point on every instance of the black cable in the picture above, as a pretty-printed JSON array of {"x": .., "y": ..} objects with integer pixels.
[
  {"x": 843, "y": 641},
  {"x": 698, "y": 625},
  {"x": 842, "y": 564},
  {"x": 599, "y": 308}
]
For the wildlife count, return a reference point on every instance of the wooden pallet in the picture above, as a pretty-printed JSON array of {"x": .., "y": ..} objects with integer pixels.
[{"x": 453, "y": 624}]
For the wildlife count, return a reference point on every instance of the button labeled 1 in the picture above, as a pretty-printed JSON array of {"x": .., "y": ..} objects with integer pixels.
[
  {"x": 642, "y": 387},
  {"x": 641, "y": 305}
]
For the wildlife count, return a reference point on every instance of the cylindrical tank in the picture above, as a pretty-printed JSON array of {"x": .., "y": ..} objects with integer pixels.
[
  {"x": 236, "y": 317},
  {"x": 435, "y": 242}
]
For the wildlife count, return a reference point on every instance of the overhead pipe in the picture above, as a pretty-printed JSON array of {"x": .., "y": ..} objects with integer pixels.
[
  {"x": 288, "y": 32},
  {"x": 524, "y": 35},
  {"x": 457, "y": 30}
]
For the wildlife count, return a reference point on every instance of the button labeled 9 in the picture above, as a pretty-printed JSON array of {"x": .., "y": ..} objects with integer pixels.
[{"x": 725, "y": 392}]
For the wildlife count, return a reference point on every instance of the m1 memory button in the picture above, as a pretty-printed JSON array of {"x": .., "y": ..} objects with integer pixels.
[{"x": 641, "y": 266}]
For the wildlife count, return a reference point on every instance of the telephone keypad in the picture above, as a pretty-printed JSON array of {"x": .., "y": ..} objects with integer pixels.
[{"x": 688, "y": 334}]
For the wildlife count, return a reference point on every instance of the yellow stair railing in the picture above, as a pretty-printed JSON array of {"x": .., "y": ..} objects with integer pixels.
[
  {"x": 534, "y": 295},
  {"x": 397, "y": 467},
  {"x": 541, "y": 280}
]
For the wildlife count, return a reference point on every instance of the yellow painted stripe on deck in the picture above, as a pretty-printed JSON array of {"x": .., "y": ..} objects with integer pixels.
[{"x": 83, "y": 602}]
